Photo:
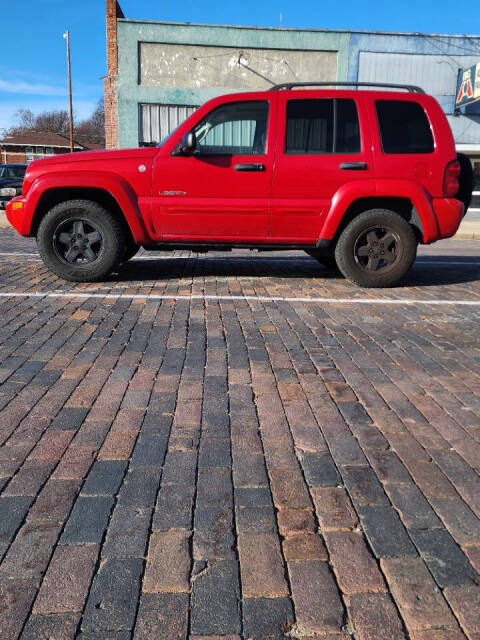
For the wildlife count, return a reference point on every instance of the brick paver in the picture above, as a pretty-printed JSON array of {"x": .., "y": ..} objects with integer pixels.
[{"x": 242, "y": 463}]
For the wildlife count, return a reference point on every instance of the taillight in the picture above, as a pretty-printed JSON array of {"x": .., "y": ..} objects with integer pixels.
[{"x": 450, "y": 180}]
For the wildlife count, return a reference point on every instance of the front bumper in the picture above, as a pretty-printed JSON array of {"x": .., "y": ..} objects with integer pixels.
[
  {"x": 15, "y": 212},
  {"x": 449, "y": 213}
]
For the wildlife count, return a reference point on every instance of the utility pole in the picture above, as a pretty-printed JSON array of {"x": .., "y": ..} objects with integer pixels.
[{"x": 66, "y": 35}]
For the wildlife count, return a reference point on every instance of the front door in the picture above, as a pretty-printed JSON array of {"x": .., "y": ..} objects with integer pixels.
[
  {"x": 322, "y": 144},
  {"x": 222, "y": 191}
]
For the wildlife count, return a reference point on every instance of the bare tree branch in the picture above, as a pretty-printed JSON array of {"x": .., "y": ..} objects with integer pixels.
[{"x": 91, "y": 129}]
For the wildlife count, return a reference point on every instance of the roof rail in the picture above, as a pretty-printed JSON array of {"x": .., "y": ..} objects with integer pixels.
[{"x": 290, "y": 85}]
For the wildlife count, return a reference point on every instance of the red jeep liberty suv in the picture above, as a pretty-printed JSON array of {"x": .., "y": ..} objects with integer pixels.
[{"x": 353, "y": 177}]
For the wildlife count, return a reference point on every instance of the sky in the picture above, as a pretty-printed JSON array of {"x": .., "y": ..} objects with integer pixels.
[{"x": 33, "y": 59}]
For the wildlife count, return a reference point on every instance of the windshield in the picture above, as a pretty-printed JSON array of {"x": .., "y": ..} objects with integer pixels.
[{"x": 12, "y": 172}]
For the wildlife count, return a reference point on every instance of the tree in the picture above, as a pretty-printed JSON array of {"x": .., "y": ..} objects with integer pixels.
[{"x": 91, "y": 129}]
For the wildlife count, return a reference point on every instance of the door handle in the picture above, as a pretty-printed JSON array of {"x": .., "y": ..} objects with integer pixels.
[
  {"x": 249, "y": 166},
  {"x": 353, "y": 166}
]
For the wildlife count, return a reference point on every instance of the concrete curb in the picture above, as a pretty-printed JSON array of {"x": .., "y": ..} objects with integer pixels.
[{"x": 469, "y": 230}]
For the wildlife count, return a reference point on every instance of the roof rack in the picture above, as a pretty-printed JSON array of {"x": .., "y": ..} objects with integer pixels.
[{"x": 290, "y": 85}]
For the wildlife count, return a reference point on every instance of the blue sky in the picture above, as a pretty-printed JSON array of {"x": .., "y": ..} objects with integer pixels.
[{"x": 33, "y": 67}]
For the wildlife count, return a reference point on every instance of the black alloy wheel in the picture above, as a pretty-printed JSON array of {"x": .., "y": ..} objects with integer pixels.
[
  {"x": 78, "y": 241},
  {"x": 377, "y": 249}
]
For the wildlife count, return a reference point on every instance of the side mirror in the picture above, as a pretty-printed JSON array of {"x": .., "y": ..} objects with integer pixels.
[{"x": 186, "y": 146}]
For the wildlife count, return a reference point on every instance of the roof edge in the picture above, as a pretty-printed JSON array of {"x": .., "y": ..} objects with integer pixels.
[{"x": 303, "y": 29}]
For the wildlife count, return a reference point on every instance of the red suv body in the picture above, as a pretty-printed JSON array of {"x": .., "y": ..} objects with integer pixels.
[{"x": 291, "y": 168}]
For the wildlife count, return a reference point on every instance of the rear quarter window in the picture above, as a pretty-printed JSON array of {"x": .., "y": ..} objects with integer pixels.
[{"x": 404, "y": 127}]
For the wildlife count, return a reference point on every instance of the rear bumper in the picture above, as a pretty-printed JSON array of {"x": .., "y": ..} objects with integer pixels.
[
  {"x": 449, "y": 213},
  {"x": 17, "y": 215}
]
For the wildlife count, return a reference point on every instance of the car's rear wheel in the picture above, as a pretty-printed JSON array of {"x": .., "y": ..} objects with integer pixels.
[
  {"x": 376, "y": 249},
  {"x": 80, "y": 241}
]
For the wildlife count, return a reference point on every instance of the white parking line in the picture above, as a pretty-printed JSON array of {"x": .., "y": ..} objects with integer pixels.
[{"x": 154, "y": 296}]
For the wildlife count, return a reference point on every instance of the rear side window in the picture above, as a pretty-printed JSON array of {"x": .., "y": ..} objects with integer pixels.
[
  {"x": 322, "y": 126},
  {"x": 404, "y": 127}
]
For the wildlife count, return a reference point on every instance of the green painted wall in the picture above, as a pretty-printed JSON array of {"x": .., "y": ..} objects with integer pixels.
[{"x": 131, "y": 32}]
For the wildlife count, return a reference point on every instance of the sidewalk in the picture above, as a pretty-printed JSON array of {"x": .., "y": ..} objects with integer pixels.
[{"x": 469, "y": 229}]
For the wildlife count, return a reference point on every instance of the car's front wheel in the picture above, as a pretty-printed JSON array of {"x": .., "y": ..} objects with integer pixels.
[
  {"x": 376, "y": 249},
  {"x": 80, "y": 241}
]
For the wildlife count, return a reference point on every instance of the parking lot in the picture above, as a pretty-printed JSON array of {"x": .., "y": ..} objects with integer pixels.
[{"x": 239, "y": 446}]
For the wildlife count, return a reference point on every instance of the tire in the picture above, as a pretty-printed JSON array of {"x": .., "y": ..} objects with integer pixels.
[
  {"x": 373, "y": 231},
  {"x": 80, "y": 241},
  {"x": 327, "y": 261},
  {"x": 465, "y": 181},
  {"x": 131, "y": 250}
]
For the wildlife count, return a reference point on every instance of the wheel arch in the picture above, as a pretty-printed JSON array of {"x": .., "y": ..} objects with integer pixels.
[
  {"x": 55, "y": 195},
  {"x": 402, "y": 206},
  {"x": 406, "y": 197},
  {"x": 109, "y": 190}
]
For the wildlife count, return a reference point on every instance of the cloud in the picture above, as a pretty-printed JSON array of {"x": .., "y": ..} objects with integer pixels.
[{"x": 30, "y": 88}]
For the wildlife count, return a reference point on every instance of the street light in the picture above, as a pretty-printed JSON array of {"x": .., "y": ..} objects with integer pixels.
[{"x": 66, "y": 35}]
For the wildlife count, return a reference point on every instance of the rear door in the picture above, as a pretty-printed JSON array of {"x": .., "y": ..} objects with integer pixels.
[
  {"x": 404, "y": 137},
  {"x": 322, "y": 144}
]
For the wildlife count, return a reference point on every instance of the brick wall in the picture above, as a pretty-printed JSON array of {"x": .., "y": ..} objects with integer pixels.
[
  {"x": 17, "y": 153},
  {"x": 13, "y": 156},
  {"x": 113, "y": 11}
]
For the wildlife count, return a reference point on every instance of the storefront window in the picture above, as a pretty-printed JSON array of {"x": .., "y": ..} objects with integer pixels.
[{"x": 476, "y": 175}]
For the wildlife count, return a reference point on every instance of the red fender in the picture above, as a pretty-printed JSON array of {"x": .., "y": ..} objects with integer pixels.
[
  {"x": 113, "y": 184},
  {"x": 391, "y": 188}
]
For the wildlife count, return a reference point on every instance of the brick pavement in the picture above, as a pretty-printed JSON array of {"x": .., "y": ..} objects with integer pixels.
[{"x": 233, "y": 467}]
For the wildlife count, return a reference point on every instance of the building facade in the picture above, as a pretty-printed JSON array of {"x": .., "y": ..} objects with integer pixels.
[
  {"x": 31, "y": 145},
  {"x": 158, "y": 72}
]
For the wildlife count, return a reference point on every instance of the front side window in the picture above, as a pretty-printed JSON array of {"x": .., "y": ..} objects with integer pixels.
[
  {"x": 319, "y": 126},
  {"x": 238, "y": 128},
  {"x": 404, "y": 127}
]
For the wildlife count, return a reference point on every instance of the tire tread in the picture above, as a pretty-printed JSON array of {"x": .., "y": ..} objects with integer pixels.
[{"x": 116, "y": 240}]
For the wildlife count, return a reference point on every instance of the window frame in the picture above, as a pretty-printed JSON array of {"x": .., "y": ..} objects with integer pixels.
[
  {"x": 335, "y": 101},
  {"x": 264, "y": 152}
]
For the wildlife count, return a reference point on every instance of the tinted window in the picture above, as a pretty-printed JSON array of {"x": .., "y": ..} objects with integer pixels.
[
  {"x": 404, "y": 127},
  {"x": 238, "y": 128},
  {"x": 16, "y": 172},
  {"x": 12, "y": 172},
  {"x": 322, "y": 126}
]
